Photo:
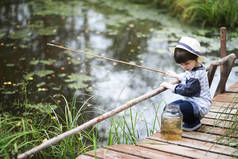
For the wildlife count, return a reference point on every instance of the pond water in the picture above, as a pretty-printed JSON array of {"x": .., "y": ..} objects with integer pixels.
[{"x": 139, "y": 34}]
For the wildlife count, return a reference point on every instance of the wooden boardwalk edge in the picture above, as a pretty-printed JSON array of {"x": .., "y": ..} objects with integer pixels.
[{"x": 202, "y": 143}]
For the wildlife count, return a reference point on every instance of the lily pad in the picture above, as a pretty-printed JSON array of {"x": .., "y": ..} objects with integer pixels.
[
  {"x": 45, "y": 62},
  {"x": 48, "y": 62},
  {"x": 44, "y": 73},
  {"x": 9, "y": 92},
  {"x": 47, "y": 31},
  {"x": 56, "y": 88},
  {"x": 74, "y": 77},
  {"x": 10, "y": 65},
  {"x": 29, "y": 76},
  {"x": 62, "y": 75},
  {"x": 40, "y": 84},
  {"x": 78, "y": 81},
  {"x": 77, "y": 85},
  {"x": 34, "y": 62},
  {"x": 2, "y": 33}
]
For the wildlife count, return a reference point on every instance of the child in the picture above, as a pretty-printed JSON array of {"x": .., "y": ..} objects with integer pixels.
[{"x": 193, "y": 84}]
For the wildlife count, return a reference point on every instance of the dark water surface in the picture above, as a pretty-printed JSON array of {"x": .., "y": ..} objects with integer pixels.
[{"x": 135, "y": 33}]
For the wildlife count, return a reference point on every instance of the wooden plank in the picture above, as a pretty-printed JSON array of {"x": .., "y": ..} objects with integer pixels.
[
  {"x": 219, "y": 98},
  {"x": 234, "y": 85},
  {"x": 180, "y": 150},
  {"x": 220, "y": 116},
  {"x": 223, "y": 110},
  {"x": 197, "y": 144},
  {"x": 233, "y": 89},
  {"x": 143, "y": 152},
  {"x": 216, "y": 123},
  {"x": 214, "y": 130},
  {"x": 109, "y": 154},
  {"x": 85, "y": 157},
  {"x": 207, "y": 137},
  {"x": 224, "y": 104},
  {"x": 228, "y": 94}
]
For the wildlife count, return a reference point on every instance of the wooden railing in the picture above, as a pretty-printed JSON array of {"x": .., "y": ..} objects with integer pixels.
[{"x": 227, "y": 63}]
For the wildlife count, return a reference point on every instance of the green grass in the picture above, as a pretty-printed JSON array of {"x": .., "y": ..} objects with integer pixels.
[
  {"x": 125, "y": 131},
  {"x": 215, "y": 13},
  {"x": 40, "y": 122}
]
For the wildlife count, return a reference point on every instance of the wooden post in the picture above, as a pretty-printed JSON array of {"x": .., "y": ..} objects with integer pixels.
[
  {"x": 222, "y": 42},
  {"x": 222, "y": 54},
  {"x": 228, "y": 62}
]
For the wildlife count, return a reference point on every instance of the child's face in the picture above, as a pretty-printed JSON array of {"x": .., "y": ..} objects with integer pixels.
[{"x": 189, "y": 65}]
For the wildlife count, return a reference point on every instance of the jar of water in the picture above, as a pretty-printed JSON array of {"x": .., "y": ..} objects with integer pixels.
[{"x": 171, "y": 123}]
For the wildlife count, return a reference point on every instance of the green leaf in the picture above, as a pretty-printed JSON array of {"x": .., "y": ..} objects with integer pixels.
[{"x": 44, "y": 73}]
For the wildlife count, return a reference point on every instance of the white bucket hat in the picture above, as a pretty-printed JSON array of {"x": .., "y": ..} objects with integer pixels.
[{"x": 191, "y": 45}]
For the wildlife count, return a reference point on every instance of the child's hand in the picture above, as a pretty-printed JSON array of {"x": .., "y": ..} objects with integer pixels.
[
  {"x": 166, "y": 85},
  {"x": 172, "y": 74}
]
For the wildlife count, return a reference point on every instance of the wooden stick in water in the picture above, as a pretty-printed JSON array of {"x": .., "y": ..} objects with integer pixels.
[{"x": 106, "y": 58}]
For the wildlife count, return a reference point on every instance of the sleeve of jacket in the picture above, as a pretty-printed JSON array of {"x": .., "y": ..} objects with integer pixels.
[{"x": 190, "y": 89}]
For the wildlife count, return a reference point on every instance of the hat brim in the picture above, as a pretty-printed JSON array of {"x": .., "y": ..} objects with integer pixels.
[{"x": 200, "y": 58}]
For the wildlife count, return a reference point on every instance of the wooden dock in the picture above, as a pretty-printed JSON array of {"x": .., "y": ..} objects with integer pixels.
[
  {"x": 209, "y": 141},
  {"x": 203, "y": 143}
]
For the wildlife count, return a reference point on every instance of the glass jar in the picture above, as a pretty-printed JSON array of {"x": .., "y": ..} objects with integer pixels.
[{"x": 171, "y": 123}]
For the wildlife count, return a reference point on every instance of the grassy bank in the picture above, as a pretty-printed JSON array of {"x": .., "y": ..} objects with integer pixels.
[
  {"x": 215, "y": 13},
  {"x": 37, "y": 123}
]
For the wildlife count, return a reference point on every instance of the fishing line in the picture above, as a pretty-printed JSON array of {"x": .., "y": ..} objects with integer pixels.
[{"x": 106, "y": 58}]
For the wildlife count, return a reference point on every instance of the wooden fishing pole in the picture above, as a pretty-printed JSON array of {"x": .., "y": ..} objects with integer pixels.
[
  {"x": 92, "y": 122},
  {"x": 106, "y": 58}
]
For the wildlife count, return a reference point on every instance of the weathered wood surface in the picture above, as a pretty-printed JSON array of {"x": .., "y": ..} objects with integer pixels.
[{"x": 202, "y": 143}]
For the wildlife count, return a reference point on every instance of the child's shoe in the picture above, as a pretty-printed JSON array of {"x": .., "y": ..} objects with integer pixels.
[{"x": 191, "y": 127}]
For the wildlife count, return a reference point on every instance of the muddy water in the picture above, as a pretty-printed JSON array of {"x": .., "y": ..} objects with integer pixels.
[{"x": 119, "y": 30}]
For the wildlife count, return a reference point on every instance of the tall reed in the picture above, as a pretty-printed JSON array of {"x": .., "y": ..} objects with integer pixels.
[
  {"x": 40, "y": 122},
  {"x": 214, "y": 13},
  {"x": 124, "y": 130}
]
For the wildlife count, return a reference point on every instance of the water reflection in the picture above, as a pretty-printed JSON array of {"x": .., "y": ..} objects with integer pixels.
[{"x": 26, "y": 28}]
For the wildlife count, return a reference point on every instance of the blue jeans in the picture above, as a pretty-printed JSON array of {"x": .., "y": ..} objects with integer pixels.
[{"x": 187, "y": 110}]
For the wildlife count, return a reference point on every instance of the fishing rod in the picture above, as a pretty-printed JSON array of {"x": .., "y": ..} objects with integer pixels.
[
  {"x": 106, "y": 58},
  {"x": 100, "y": 118},
  {"x": 92, "y": 122}
]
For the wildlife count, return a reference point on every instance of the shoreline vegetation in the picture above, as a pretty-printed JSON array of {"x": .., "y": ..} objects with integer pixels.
[
  {"x": 205, "y": 13},
  {"x": 40, "y": 122}
]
